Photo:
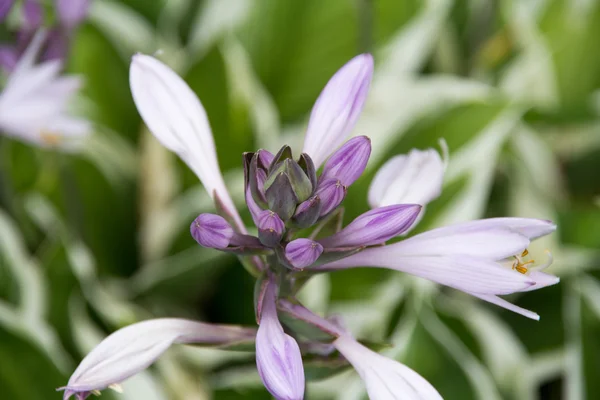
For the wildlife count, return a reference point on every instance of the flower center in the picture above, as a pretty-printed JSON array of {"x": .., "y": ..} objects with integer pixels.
[
  {"x": 520, "y": 265},
  {"x": 50, "y": 138}
]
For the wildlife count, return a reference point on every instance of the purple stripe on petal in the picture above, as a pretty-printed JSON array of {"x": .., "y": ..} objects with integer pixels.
[
  {"x": 337, "y": 109},
  {"x": 278, "y": 357},
  {"x": 375, "y": 226},
  {"x": 331, "y": 192},
  {"x": 302, "y": 252},
  {"x": 349, "y": 162},
  {"x": 211, "y": 230}
]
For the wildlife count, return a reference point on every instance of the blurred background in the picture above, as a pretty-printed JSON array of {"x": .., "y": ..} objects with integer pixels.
[{"x": 94, "y": 239}]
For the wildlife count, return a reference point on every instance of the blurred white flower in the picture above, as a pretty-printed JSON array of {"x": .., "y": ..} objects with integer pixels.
[{"x": 33, "y": 104}]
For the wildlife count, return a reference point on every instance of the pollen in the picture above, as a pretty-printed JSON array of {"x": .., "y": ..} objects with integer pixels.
[
  {"x": 521, "y": 266},
  {"x": 50, "y": 138}
]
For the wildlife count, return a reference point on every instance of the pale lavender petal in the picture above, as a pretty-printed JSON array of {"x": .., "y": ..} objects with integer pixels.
[
  {"x": 278, "y": 357},
  {"x": 349, "y": 162},
  {"x": 466, "y": 273},
  {"x": 132, "y": 349},
  {"x": 302, "y": 252},
  {"x": 530, "y": 227},
  {"x": 468, "y": 239},
  {"x": 414, "y": 178},
  {"x": 541, "y": 279},
  {"x": 176, "y": 117},
  {"x": 337, "y": 109},
  {"x": 505, "y": 304},
  {"x": 72, "y": 12},
  {"x": 5, "y": 6},
  {"x": 385, "y": 379},
  {"x": 211, "y": 231},
  {"x": 331, "y": 192},
  {"x": 375, "y": 226},
  {"x": 255, "y": 210}
]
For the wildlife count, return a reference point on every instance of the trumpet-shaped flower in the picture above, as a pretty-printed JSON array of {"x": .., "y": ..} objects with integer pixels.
[
  {"x": 414, "y": 178},
  {"x": 278, "y": 356},
  {"x": 485, "y": 258},
  {"x": 175, "y": 116},
  {"x": 33, "y": 104},
  {"x": 384, "y": 378},
  {"x": 337, "y": 109},
  {"x": 134, "y": 348}
]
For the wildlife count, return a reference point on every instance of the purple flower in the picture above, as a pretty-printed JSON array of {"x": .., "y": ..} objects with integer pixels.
[
  {"x": 337, "y": 108},
  {"x": 332, "y": 193},
  {"x": 211, "y": 230},
  {"x": 72, "y": 12},
  {"x": 384, "y": 378},
  {"x": 375, "y": 226},
  {"x": 302, "y": 252},
  {"x": 278, "y": 357},
  {"x": 485, "y": 258},
  {"x": 134, "y": 348},
  {"x": 349, "y": 162},
  {"x": 5, "y": 6}
]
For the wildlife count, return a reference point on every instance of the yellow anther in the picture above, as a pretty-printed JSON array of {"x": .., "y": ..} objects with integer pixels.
[
  {"x": 524, "y": 253},
  {"x": 50, "y": 138},
  {"x": 520, "y": 265}
]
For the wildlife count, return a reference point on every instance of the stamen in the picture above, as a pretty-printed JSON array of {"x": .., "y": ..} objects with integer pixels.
[
  {"x": 521, "y": 266},
  {"x": 50, "y": 138},
  {"x": 116, "y": 387}
]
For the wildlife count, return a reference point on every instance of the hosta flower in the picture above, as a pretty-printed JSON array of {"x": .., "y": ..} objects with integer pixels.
[
  {"x": 298, "y": 217},
  {"x": 485, "y": 258},
  {"x": 134, "y": 348},
  {"x": 384, "y": 378},
  {"x": 33, "y": 104},
  {"x": 278, "y": 357}
]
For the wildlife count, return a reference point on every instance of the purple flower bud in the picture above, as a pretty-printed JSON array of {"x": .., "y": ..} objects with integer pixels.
[
  {"x": 72, "y": 12},
  {"x": 278, "y": 357},
  {"x": 56, "y": 46},
  {"x": 307, "y": 212},
  {"x": 337, "y": 108},
  {"x": 375, "y": 226},
  {"x": 5, "y": 6},
  {"x": 281, "y": 197},
  {"x": 8, "y": 57},
  {"x": 265, "y": 159},
  {"x": 302, "y": 252},
  {"x": 270, "y": 228},
  {"x": 33, "y": 14},
  {"x": 211, "y": 230},
  {"x": 349, "y": 161},
  {"x": 332, "y": 193}
]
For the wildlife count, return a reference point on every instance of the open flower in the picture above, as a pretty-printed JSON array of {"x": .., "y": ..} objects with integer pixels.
[
  {"x": 483, "y": 258},
  {"x": 33, "y": 104},
  {"x": 134, "y": 348}
]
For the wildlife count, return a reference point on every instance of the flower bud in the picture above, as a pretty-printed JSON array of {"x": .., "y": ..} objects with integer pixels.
[
  {"x": 300, "y": 183},
  {"x": 307, "y": 212},
  {"x": 332, "y": 193},
  {"x": 211, "y": 230},
  {"x": 349, "y": 162},
  {"x": 302, "y": 253},
  {"x": 281, "y": 197},
  {"x": 278, "y": 356},
  {"x": 375, "y": 226},
  {"x": 270, "y": 228}
]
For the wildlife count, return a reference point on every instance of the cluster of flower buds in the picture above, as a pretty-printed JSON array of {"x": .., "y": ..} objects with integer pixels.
[{"x": 300, "y": 233}]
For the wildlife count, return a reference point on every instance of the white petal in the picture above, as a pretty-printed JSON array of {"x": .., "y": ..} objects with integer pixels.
[
  {"x": 385, "y": 378},
  {"x": 174, "y": 114},
  {"x": 415, "y": 178},
  {"x": 530, "y": 227},
  {"x": 469, "y": 239},
  {"x": 505, "y": 304},
  {"x": 133, "y": 348},
  {"x": 541, "y": 280},
  {"x": 470, "y": 274}
]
